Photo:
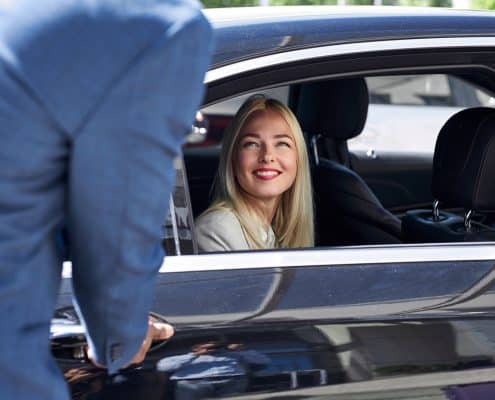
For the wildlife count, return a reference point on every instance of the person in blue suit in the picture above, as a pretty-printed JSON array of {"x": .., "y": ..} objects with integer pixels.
[{"x": 96, "y": 97}]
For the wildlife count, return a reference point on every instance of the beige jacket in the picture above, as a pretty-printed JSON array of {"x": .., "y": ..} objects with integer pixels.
[{"x": 221, "y": 231}]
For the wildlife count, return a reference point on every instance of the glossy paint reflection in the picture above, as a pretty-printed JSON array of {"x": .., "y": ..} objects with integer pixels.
[
  {"x": 282, "y": 329},
  {"x": 316, "y": 293},
  {"x": 230, "y": 361}
]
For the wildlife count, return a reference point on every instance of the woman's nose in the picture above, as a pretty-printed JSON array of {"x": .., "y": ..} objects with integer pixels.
[{"x": 266, "y": 155}]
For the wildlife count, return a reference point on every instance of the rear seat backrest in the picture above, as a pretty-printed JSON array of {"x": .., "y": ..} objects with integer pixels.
[{"x": 463, "y": 168}]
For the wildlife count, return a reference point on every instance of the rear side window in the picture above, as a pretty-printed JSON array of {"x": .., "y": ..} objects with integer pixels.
[{"x": 406, "y": 112}]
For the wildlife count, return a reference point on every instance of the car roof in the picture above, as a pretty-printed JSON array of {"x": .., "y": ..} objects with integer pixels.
[{"x": 247, "y": 32}]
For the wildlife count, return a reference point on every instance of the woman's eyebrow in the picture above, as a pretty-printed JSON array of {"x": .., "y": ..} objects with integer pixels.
[
  {"x": 283, "y": 136},
  {"x": 254, "y": 135}
]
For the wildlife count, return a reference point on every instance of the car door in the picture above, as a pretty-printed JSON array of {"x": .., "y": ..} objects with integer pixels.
[
  {"x": 338, "y": 315},
  {"x": 340, "y": 290},
  {"x": 324, "y": 317}
]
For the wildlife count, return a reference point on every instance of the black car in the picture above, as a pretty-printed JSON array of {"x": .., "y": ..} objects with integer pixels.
[{"x": 396, "y": 300}]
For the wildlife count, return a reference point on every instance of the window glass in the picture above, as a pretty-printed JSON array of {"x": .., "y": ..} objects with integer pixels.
[
  {"x": 229, "y": 107},
  {"x": 410, "y": 90},
  {"x": 485, "y": 99},
  {"x": 406, "y": 112},
  {"x": 219, "y": 115},
  {"x": 177, "y": 237}
]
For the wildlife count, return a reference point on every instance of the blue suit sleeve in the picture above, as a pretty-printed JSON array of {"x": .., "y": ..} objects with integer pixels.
[
  {"x": 96, "y": 99},
  {"x": 121, "y": 176}
]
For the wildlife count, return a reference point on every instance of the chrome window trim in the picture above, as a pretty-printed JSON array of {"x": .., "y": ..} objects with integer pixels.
[
  {"x": 328, "y": 257},
  {"x": 343, "y": 49},
  {"x": 453, "y": 252}
]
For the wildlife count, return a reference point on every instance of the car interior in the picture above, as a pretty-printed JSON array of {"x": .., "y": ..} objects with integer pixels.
[
  {"x": 463, "y": 165},
  {"x": 378, "y": 177},
  {"x": 331, "y": 113}
]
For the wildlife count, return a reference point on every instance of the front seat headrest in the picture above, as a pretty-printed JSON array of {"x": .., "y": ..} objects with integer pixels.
[
  {"x": 464, "y": 160},
  {"x": 334, "y": 108}
]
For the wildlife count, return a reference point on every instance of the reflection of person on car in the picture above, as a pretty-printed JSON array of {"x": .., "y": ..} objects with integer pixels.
[
  {"x": 212, "y": 370},
  {"x": 263, "y": 188}
]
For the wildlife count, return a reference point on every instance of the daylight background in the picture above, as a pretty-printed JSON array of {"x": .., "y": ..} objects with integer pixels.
[{"x": 463, "y": 4}]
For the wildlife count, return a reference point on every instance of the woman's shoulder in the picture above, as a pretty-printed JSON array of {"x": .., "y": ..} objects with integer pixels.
[
  {"x": 218, "y": 217},
  {"x": 220, "y": 230}
]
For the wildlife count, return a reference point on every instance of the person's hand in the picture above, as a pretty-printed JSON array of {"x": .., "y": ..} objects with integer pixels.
[{"x": 156, "y": 331}]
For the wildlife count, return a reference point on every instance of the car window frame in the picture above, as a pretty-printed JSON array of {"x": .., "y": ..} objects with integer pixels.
[{"x": 433, "y": 55}]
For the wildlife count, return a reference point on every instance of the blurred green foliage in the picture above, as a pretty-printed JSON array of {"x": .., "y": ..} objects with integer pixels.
[
  {"x": 241, "y": 3},
  {"x": 477, "y": 4},
  {"x": 303, "y": 2},
  {"x": 426, "y": 3},
  {"x": 229, "y": 3},
  {"x": 486, "y": 4}
]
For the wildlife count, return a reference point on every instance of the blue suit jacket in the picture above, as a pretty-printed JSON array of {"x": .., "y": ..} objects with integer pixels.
[{"x": 95, "y": 100}]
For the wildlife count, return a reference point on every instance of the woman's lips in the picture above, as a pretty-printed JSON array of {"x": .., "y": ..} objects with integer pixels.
[{"x": 266, "y": 174}]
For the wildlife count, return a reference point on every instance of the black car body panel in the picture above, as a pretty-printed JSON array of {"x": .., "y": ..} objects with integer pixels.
[
  {"x": 247, "y": 34},
  {"x": 316, "y": 326}
]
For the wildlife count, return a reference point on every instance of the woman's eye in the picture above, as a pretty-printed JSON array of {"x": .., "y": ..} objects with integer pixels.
[
  {"x": 247, "y": 145},
  {"x": 284, "y": 144}
]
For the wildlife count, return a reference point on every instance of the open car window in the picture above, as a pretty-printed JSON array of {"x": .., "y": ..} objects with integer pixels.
[{"x": 393, "y": 154}]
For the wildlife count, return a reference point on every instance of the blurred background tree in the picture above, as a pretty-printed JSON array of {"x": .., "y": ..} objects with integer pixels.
[
  {"x": 229, "y": 3},
  {"x": 486, "y": 4},
  {"x": 476, "y": 4},
  {"x": 426, "y": 3}
]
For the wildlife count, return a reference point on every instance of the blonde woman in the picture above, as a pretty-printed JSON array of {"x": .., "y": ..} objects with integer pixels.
[{"x": 263, "y": 194}]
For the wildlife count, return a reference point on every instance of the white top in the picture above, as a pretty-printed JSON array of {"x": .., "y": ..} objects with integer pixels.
[{"x": 220, "y": 230}]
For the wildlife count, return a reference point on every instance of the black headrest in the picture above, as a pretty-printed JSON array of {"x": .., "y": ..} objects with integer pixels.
[
  {"x": 464, "y": 160},
  {"x": 334, "y": 109}
]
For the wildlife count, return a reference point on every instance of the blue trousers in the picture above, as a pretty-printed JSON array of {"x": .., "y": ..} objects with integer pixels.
[{"x": 96, "y": 97}]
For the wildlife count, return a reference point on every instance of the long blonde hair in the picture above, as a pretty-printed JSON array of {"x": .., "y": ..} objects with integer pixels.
[{"x": 293, "y": 220}]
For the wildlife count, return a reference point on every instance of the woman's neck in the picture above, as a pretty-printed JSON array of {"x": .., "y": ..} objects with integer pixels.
[{"x": 265, "y": 208}]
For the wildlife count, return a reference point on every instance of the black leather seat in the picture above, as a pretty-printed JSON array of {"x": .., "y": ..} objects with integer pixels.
[
  {"x": 463, "y": 176},
  {"x": 347, "y": 211}
]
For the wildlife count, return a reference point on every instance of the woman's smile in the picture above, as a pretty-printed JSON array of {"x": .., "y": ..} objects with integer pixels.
[{"x": 266, "y": 174}]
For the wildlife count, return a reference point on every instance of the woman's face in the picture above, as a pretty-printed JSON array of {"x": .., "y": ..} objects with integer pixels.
[{"x": 265, "y": 158}]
